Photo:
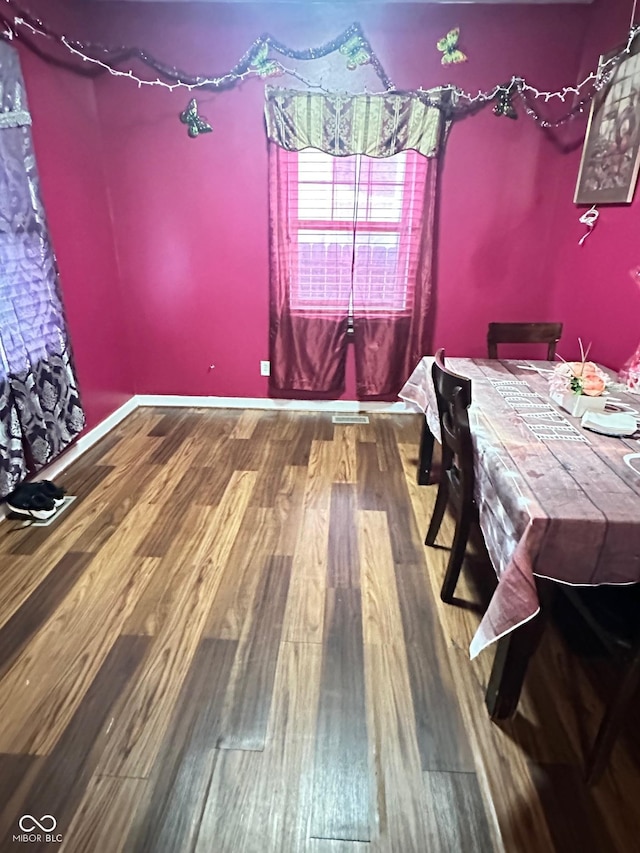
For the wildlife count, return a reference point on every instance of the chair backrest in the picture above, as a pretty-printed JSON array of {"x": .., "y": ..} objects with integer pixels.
[
  {"x": 524, "y": 333},
  {"x": 453, "y": 394}
]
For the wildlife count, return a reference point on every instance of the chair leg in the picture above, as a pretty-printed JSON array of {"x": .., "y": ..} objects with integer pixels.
[
  {"x": 442, "y": 499},
  {"x": 612, "y": 721},
  {"x": 426, "y": 454},
  {"x": 456, "y": 556}
]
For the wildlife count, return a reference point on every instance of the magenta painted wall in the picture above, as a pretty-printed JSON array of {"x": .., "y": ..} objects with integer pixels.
[
  {"x": 592, "y": 288},
  {"x": 189, "y": 288},
  {"x": 68, "y": 147},
  {"x": 191, "y": 215}
]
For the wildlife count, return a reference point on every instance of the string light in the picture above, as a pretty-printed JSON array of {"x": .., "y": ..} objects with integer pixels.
[{"x": 451, "y": 98}]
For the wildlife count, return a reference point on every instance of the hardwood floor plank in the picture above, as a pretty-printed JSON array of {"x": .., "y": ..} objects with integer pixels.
[
  {"x": 38, "y": 607},
  {"x": 501, "y": 766},
  {"x": 341, "y": 775},
  {"x": 21, "y": 777},
  {"x": 406, "y": 540},
  {"x": 245, "y": 454},
  {"x": 371, "y": 480},
  {"x": 407, "y": 428},
  {"x": 20, "y": 575},
  {"x": 103, "y": 820},
  {"x": 168, "y": 447},
  {"x": 246, "y": 424},
  {"x": 289, "y": 507},
  {"x": 289, "y": 751},
  {"x": 167, "y": 423},
  {"x": 344, "y": 442},
  {"x": 571, "y": 812},
  {"x": 317, "y": 493},
  {"x": 381, "y": 620},
  {"x": 233, "y": 819},
  {"x": 131, "y": 492},
  {"x": 399, "y": 811},
  {"x": 13, "y": 769},
  {"x": 343, "y": 569},
  {"x": 252, "y": 679},
  {"x": 327, "y": 845},
  {"x": 442, "y": 737},
  {"x": 214, "y": 482},
  {"x": 274, "y": 460},
  {"x": 155, "y": 601},
  {"x": 304, "y": 616},
  {"x": 306, "y": 432},
  {"x": 148, "y": 707},
  {"x": 260, "y": 801},
  {"x": 42, "y": 689},
  {"x": 179, "y": 493},
  {"x": 182, "y": 772},
  {"x": 59, "y": 786},
  {"x": 139, "y": 448},
  {"x": 254, "y": 542},
  {"x": 447, "y": 796}
]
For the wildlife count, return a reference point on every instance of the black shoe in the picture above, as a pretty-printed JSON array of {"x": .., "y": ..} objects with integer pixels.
[
  {"x": 50, "y": 490},
  {"x": 31, "y": 503}
]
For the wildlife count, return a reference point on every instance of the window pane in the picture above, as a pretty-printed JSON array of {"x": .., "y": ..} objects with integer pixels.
[
  {"x": 324, "y": 271},
  {"x": 358, "y": 222}
]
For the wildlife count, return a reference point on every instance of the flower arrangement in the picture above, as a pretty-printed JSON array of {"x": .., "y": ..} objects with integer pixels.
[
  {"x": 578, "y": 386},
  {"x": 579, "y": 377}
]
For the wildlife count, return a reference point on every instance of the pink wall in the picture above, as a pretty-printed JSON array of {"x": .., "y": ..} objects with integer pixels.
[
  {"x": 191, "y": 215},
  {"x": 68, "y": 147},
  {"x": 592, "y": 289}
]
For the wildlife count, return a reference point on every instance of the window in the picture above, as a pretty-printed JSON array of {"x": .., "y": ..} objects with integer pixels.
[{"x": 355, "y": 226}]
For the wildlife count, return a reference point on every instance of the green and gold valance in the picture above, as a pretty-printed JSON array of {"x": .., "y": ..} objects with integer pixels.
[{"x": 375, "y": 125}]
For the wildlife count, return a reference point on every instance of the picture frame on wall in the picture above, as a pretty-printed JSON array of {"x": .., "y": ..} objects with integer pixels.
[{"x": 611, "y": 153}]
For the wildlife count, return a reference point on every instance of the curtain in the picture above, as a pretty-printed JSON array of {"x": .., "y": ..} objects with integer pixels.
[
  {"x": 40, "y": 410},
  {"x": 349, "y": 258}
]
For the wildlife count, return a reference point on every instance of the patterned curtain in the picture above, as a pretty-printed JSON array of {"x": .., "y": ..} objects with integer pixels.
[
  {"x": 375, "y": 125},
  {"x": 308, "y": 345},
  {"x": 40, "y": 411}
]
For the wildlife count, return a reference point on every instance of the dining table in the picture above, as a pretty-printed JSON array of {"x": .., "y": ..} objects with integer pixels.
[{"x": 557, "y": 503}]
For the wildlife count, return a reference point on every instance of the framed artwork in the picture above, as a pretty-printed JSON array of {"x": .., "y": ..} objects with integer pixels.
[{"x": 611, "y": 153}]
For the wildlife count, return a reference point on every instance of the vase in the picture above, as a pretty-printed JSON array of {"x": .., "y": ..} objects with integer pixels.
[{"x": 578, "y": 404}]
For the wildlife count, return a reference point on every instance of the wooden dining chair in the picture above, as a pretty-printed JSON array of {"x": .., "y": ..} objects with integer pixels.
[
  {"x": 453, "y": 395},
  {"x": 524, "y": 333},
  {"x": 613, "y": 615}
]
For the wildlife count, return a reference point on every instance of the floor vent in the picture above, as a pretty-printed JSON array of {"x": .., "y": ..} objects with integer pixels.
[{"x": 350, "y": 419}]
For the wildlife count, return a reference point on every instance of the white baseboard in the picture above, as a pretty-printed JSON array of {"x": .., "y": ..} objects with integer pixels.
[{"x": 273, "y": 405}]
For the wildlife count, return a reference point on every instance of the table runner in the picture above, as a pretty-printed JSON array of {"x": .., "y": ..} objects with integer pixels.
[{"x": 555, "y": 500}]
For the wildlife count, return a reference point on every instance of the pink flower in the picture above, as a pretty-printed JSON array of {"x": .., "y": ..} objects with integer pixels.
[{"x": 578, "y": 377}]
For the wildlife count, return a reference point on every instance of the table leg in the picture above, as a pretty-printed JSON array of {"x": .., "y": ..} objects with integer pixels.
[
  {"x": 426, "y": 454},
  {"x": 513, "y": 654}
]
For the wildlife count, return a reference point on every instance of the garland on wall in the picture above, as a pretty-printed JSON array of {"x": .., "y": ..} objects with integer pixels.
[{"x": 262, "y": 59}]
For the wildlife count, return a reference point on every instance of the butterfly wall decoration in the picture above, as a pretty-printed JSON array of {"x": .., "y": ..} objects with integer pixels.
[
  {"x": 196, "y": 124},
  {"x": 357, "y": 52},
  {"x": 262, "y": 65},
  {"x": 448, "y": 45}
]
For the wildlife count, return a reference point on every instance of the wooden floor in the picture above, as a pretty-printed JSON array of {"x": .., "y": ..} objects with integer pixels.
[{"x": 233, "y": 642}]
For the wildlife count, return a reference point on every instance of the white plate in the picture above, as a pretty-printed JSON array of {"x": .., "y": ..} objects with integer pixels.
[{"x": 612, "y": 423}]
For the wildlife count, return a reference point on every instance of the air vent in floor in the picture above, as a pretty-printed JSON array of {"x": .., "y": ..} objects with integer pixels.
[{"x": 350, "y": 419}]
